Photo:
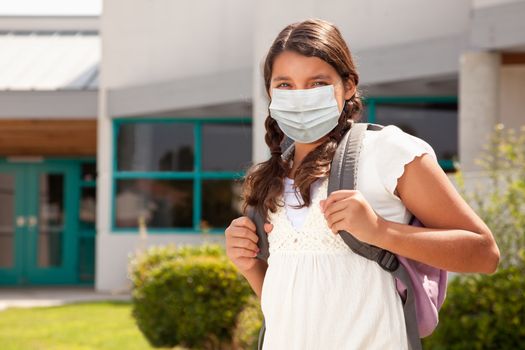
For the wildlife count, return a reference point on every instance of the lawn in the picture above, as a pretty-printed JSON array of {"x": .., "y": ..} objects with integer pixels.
[{"x": 82, "y": 326}]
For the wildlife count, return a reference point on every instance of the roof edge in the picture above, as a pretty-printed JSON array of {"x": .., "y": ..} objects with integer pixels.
[{"x": 49, "y": 23}]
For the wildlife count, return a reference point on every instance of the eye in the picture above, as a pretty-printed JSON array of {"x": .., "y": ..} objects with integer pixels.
[
  {"x": 319, "y": 83},
  {"x": 283, "y": 85}
]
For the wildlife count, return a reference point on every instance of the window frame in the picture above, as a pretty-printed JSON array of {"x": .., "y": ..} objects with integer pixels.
[
  {"x": 372, "y": 102},
  {"x": 197, "y": 175}
]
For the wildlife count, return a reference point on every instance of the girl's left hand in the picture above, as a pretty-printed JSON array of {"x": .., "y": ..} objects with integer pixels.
[{"x": 348, "y": 210}]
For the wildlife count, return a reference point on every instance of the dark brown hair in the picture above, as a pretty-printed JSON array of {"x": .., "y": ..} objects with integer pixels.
[{"x": 263, "y": 182}]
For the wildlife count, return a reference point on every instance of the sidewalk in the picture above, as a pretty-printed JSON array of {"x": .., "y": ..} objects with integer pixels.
[{"x": 53, "y": 296}]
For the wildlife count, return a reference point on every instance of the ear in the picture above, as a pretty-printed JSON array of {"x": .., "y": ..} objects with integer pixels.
[{"x": 350, "y": 89}]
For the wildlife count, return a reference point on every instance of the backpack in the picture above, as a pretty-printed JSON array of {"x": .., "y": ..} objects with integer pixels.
[{"x": 422, "y": 288}]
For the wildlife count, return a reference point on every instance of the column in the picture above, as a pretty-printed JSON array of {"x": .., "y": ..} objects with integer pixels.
[{"x": 479, "y": 84}]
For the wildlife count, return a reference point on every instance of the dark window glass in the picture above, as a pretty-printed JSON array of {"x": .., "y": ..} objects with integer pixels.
[
  {"x": 155, "y": 147},
  {"x": 221, "y": 202},
  {"x": 7, "y": 215},
  {"x": 226, "y": 147},
  {"x": 51, "y": 220},
  {"x": 161, "y": 203},
  {"x": 89, "y": 171},
  {"x": 88, "y": 211},
  {"x": 436, "y": 123}
]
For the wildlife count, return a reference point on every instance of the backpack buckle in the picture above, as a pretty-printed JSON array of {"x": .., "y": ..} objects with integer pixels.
[{"x": 387, "y": 260}]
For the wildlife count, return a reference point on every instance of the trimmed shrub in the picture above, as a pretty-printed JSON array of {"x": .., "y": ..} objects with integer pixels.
[
  {"x": 188, "y": 296},
  {"x": 483, "y": 312}
]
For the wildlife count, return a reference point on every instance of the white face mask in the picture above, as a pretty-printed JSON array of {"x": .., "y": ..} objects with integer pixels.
[{"x": 305, "y": 115}]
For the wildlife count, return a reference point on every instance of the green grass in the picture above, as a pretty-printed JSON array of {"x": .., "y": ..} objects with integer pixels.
[{"x": 82, "y": 326}]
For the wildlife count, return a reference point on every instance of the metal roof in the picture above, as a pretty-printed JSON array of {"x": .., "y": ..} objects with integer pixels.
[{"x": 49, "y": 60}]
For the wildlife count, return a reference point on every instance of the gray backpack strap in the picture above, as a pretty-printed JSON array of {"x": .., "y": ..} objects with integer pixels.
[
  {"x": 262, "y": 243},
  {"x": 263, "y": 254},
  {"x": 409, "y": 309},
  {"x": 343, "y": 176},
  {"x": 262, "y": 331}
]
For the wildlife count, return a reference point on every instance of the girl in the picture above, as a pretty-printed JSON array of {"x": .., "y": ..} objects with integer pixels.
[{"x": 315, "y": 292}]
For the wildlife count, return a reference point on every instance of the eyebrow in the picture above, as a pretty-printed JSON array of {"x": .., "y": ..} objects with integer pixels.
[
  {"x": 318, "y": 76},
  {"x": 281, "y": 77}
]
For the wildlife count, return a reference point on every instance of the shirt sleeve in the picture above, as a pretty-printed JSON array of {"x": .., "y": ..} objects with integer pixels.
[{"x": 394, "y": 149}]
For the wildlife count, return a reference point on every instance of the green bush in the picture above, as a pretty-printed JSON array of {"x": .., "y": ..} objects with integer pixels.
[
  {"x": 500, "y": 199},
  {"x": 488, "y": 311},
  {"x": 188, "y": 296},
  {"x": 483, "y": 312},
  {"x": 249, "y": 323}
]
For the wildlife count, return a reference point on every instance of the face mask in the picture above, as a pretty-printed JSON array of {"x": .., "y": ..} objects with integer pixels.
[{"x": 305, "y": 115}]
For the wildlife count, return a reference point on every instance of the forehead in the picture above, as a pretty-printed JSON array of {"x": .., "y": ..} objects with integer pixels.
[{"x": 296, "y": 66}]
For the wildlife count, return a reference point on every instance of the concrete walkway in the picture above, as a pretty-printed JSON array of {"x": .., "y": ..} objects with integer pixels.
[{"x": 52, "y": 296}]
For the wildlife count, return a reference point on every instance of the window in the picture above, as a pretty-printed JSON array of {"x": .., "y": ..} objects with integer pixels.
[
  {"x": 433, "y": 119},
  {"x": 155, "y": 147},
  {"x": 179, "y": 174}
]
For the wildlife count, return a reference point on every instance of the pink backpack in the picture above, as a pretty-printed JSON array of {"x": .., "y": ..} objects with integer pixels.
[
  {"x": 422, "y": 288},
  {"x": 430, "y": 288}
]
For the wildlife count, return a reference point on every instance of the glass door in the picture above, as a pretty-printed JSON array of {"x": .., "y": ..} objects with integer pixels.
[
  {"x": 12, "y": 224},
  {"x": 50, "y": 223},
  {"x": 37, "y": 223}
]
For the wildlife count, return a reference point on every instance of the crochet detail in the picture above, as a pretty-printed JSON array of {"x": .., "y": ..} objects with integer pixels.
[{"x": 313, "y": 236}]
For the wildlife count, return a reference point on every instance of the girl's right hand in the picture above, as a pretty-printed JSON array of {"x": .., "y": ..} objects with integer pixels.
[{"x": 241, "y": 242}]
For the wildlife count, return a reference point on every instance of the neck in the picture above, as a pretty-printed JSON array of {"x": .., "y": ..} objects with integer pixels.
[{"x": 300, "y": 152}]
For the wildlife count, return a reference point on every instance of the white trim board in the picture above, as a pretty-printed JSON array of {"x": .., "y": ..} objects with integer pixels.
[
  {"x": 54, "y": 104},
  {"x": 186, "y": 93}
]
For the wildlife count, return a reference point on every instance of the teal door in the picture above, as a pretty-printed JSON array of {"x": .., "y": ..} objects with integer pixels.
[{"x": 38, "y": 230}]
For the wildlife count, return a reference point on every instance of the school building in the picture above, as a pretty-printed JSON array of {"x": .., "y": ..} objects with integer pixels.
[{"x": 132, "y": 128}]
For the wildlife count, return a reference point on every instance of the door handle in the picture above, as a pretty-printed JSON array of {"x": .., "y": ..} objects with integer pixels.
[
  {"x": 20, "y": 221},
  {"x": 32, "y": 221}
]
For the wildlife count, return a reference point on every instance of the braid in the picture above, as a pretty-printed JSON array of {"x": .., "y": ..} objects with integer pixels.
[
  {"x": 267, "y": 177},
  {"x": 274, "y": 136}
]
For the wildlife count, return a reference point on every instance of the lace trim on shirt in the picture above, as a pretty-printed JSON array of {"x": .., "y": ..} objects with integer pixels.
[{"x": 313, "y": 236}]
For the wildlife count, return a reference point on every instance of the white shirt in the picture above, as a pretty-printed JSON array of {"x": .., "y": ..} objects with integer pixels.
[
  {"x": 381, "y": 163},
  {"x": 317, "y": 293}
]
